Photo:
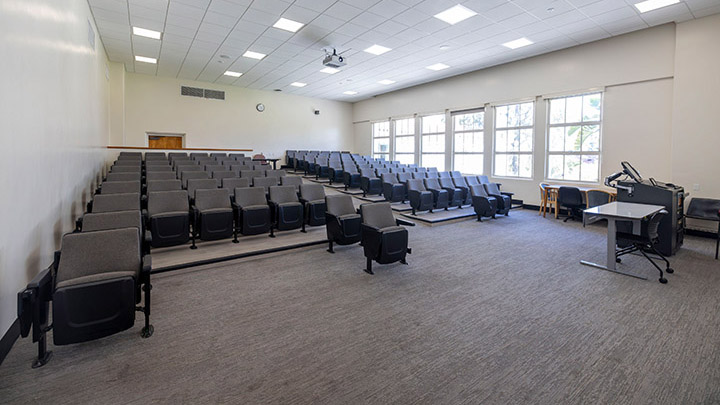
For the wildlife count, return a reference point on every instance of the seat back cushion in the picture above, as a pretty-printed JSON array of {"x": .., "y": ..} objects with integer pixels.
[
  {"x": 90, "y": 253},
  {"x": 248, "y": 196},
  {"x": 312, "y": 192},
  {"x": 339, "y": 204},
  {"x": 111, "y": 220},
  {"x": 212, "y": 198},
  {"x": 378, "y": 215},
  {"x": 283, "y": 194},
  {"x": 167, "y": 201}
]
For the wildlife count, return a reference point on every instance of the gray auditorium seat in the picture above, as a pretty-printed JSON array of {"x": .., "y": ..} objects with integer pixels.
[
  {"x": 158, "y": 169},
  {"x": 370, "y": 183},
  {"x": 163, "y": 185},
  {"x": 504, "y": 202},
  {"x": 483, "y": 204},
  {"x": 212, "y": 215},
  {"x": 218, "y": 154},
  {"x": 187, "y": 176},
  {"x": 214, "y": 167},
  {"x": 172, "y": 155},
  {"x": 200, "y": 184},
  {"x": 294, "y": 181},
  {"x": 264, "y": 182},
  {"x": 125, "y": 169},
  {"x": 93, "y": 295},
  {"x": 472, "y": 181},
  {"x": 252, "y": 173},
  {"x": 232, "y": 183},
  {"x": 152, "y": 176},
  {"x": 224, "y": 174},
  {"x": 432, "y": 175},
  {"x": 351, "y": 176},
  {"x": 441, "y": 197},
  {"x": 342, "y": 221},
  {"x": 393, "y": 190},
  {"x": 169, "y": 217},
  {"x": 118, "y": 187},
  {"x": 483, "y": 179},
  {"x": 275, "y": 173},
  {"x": 116, "y": 202},
  {"x": 383, "y": 239},
  {"x": 460, "y": 183},
  {"x": 455, "y": 194},
  {"x": 198, "y": 155},
  {"x": 112, "y": 220},
  {"x": 262, "y": 168},
  {"x": 122, "y": 177},
  {"x": 286, "y": 209},
  {"x": 312, "y": 196},
  {"x": 420, "y": 198},
  {"x": 419, "y": 175},
  {"x": 252, "y": 212}
]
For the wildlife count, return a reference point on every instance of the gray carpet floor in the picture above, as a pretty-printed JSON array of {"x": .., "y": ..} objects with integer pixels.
[{"x": 499, "y": 312}]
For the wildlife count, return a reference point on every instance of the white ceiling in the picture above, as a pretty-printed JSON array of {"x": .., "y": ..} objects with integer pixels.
[{"x": 197, "y": 32}]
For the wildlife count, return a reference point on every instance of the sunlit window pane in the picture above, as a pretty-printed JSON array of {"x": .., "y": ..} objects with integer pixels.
[
  {"x": 405, "y": 144},
  {"x": 434, "y": 160},
  {"x": 469, "y": 164},
  {"x": 405, "y": 158}
]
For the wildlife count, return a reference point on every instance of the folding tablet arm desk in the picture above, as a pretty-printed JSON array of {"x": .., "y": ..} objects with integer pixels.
[{"x": 613, "y": 212}]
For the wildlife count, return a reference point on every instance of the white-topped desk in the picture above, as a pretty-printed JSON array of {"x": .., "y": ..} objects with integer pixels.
[{"x": 613, "y": 212}]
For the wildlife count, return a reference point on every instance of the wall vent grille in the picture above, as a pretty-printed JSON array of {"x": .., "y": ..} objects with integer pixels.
[{"x": 202, "y": 93}]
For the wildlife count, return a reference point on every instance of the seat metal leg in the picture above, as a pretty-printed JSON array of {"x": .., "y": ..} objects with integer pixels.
[
  {"x": 43, "y": 354},
  {"x": 148, "y": 329},
  {"x": 662, "y": 280},
  {"x": 192, "y": 234},
  {"x": 368, "y": 268},
  {"x": 330, "y": 246}
]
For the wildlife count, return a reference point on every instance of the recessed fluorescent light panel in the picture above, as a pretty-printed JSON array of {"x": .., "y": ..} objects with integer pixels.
[
  {"x": 454, "y": 15},
  {"x": 288, "y": 25},
  {"x": 232, "y": 74},
  {"x": 438, "y": 66},
  {"x": 518, "y": 43},
  {"x": 145, "y": 59},
  {"x": 254, "y": 55},
  {"x": 651, "y": 5},
  {"x": 350, "y": 93},
  {"x": 146, "y": 33},
  {"x": 386, "y": 81},
  {"x": 377, "y": 50},
  {"x": 330, "y": 71},
  {"x": 298, "y": 84}
]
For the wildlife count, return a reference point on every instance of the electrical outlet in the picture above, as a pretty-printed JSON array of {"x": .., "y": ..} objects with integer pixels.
[{"x": 696, "y": 187}]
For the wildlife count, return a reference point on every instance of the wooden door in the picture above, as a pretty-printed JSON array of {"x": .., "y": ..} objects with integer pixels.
[{"x": 165, "y": 142}]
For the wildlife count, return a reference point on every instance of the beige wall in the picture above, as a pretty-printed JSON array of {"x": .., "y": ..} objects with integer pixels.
[
  {"x": 53, "y": 123},
  {"x": 696, "y": 107},
  {"x": 154, "y": 104},
  {"x": 636, "y": 70}
]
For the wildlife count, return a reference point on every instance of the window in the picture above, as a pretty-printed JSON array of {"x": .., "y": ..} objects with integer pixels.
[
  {"x": 514, "y": 140},
  {"x": 405, "y": 140},
  {"x": 468, "y": 142},
  {"x": 381, "y": 140},
  {"x": 432, "y": 142},
  {"x": 574, "y": 138}
]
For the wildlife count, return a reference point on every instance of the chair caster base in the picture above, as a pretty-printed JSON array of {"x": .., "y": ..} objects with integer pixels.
[
  {"x": 147, "y": 331},
  {"x": 669, "y": 270},
  {"x": 39, "y": 362},
  {"x": 663, "y": 280}
]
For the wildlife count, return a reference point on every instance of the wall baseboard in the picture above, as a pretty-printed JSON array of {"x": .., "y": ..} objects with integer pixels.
[{"x": 8, "y": 340}]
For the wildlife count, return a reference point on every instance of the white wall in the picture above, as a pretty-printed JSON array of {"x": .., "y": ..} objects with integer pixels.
[
  {"x": 636, "y": 69},
  {"x": 53, "y": 123},
  {"x": 154, "y": 104}
]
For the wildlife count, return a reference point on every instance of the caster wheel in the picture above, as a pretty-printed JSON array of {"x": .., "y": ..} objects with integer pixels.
[
  {"x": 663, "y": 280},
  {"x": 618, "y": 260},
  {"x": 669, "y": 270}
]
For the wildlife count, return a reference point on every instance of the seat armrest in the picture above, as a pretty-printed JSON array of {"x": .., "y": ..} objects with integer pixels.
[
  {"x": 146, "y": 265},
  {"x": 507, "y": 193},
  {"x": 400, "y": 222}
]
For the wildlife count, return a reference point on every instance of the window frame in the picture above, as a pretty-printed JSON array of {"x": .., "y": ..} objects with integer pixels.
[
  {"x": 454, "y": 132},
  {"x": 373, "y": 137},
  {"x": 530, "y": 153},
  {"x": 395, "y": 136},
  {"x": 421, "y": 135},
  {"x": 580, "y": 153}
]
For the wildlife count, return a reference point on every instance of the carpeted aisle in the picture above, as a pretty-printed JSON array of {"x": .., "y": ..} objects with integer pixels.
[{"x": 499, "y": 312}]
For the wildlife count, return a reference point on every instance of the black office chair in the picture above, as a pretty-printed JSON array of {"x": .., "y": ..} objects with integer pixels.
[
  {"x": 706, "y": 209},
  {"x": 644, "y": 243},
  {"x": 571, "y": 198}
]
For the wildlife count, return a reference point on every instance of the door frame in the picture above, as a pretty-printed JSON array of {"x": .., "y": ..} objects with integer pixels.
[{"x": 168, "y": 134}]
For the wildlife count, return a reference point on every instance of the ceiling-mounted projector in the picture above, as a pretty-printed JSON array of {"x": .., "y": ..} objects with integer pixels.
[{"x": 333, "y": 60}]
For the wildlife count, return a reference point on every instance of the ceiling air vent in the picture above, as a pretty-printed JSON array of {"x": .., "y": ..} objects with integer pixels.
[
  {"x": 215, "y": 94},
  {"x": 191, "y": 91}
]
